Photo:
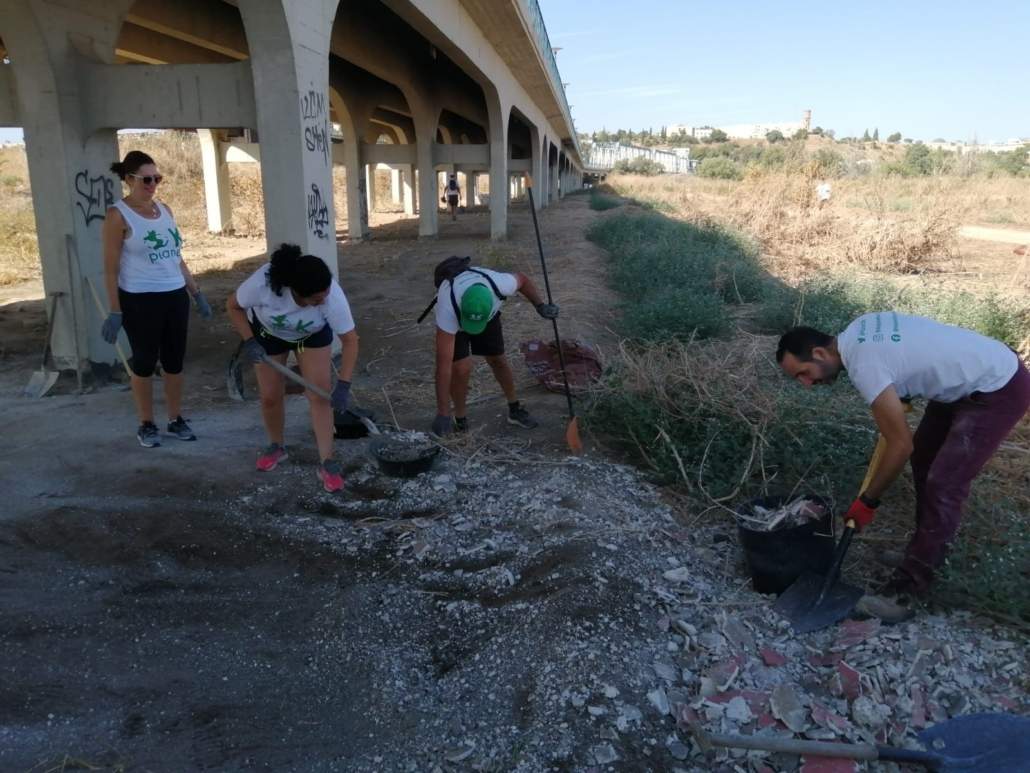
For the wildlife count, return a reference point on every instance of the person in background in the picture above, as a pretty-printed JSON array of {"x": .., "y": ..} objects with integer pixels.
[
  {"x": 453, "y": 195},
  {"x": 977, "y": 390},
  {"x": 468, "y": 322},
  {"x": 292, "y": 303},
  {"x": 149, "y": 287}
]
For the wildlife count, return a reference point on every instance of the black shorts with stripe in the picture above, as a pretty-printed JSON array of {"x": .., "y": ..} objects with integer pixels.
[{"x": 489, "y": 343}]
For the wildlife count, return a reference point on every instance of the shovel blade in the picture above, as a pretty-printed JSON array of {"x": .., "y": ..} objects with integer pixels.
[
  {"x": 41, "y": 382},
  {"x": 798, "y": 603},
  {"x": 980, "y": 743},
  {"x": 572, "y": 436}
]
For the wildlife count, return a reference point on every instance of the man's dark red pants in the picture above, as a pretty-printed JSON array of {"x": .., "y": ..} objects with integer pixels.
[{"x": 951, "y": 445}]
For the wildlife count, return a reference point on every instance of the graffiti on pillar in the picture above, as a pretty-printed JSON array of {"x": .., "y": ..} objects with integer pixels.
[
  {"x": 316, "y": 124},
  {"x": 318, "y": 213},
  {"x": 95, "y": 195}
]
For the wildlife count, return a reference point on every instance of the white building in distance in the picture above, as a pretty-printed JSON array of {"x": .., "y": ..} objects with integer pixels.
[{"x": 744, "y": 131}]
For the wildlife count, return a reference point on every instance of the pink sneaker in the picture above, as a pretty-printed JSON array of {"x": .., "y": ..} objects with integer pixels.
[
  {"x": 271, "y": 457},
  {"x": 330, "y": 475}
]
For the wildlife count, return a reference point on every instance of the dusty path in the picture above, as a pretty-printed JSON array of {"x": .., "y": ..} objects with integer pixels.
[
  {"x": 515, "y": 610},
  {"x": 984, "y": 233}
]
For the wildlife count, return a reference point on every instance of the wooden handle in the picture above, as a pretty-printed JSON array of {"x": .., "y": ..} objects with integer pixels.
[
  {"x": 856, "y": 751},
  {"x": 275, "y": 364},
  {"x": 529, "y": 179},
  {"x": 103, "y": 313}
]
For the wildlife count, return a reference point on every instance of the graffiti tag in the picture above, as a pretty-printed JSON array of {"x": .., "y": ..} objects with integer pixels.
[
  {"x": 95, "y": 194},
  {"x": 318, "y": 213},
  {"x": 316, "y": 138},
  {"x": 312, "y": 105}
]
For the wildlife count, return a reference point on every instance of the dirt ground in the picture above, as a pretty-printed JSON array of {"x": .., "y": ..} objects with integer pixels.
[{"x": 172, "y": 609}]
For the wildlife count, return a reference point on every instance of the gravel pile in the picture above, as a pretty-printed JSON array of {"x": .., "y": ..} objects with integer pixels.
[{"x": 559, "y": 616}]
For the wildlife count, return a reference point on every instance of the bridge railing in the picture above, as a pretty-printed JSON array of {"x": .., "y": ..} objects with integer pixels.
[{"x": 536, "y": 20}]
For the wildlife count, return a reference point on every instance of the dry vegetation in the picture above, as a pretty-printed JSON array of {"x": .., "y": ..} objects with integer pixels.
[{"x": 875, "y": 223}]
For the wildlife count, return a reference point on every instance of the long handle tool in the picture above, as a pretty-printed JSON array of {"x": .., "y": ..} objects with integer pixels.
[{"x": 572, "y": 431}]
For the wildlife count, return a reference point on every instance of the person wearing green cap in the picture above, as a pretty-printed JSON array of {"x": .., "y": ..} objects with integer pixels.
[{"x": 468, "y": 322}]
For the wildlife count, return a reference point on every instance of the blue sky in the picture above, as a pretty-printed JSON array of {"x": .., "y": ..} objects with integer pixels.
[
  {"x": 927, "y": 69},
  {"x": 956, "y": 70}
]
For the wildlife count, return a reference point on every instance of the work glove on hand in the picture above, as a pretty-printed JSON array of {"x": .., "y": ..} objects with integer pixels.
[
  {"x": 203, "y": 307},
  {"x": 341, "y": 395},
  {"x": 113, "y": 323},
  {"x": 252, "y": 352},
  {"x": 861, "y": 513},
  {"x": 442, "y": 425},
  {"x": 547, "y": 310}
]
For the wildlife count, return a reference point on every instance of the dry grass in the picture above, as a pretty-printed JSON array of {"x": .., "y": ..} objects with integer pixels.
[{"x": 782, "y": 213}]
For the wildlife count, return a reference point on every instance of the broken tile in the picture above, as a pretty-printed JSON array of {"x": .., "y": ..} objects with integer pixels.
[
  {"x": 739, "y": 636},
  {"x": 852, "y": 632},
  {"x": 828, "y": 765},
  {"x": 918, "y": 720},
  {"x": 868, "y": 713},
  {"x": 737, "y": 710},
  {"x": 772, "y": 658},
  {"x": 787, "y": 707},
  {"x": 826, "y": 717},
  {"x": 846, "y": 682}
]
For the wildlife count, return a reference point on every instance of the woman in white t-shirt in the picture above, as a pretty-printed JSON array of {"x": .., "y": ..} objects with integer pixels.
[
  {"x": 149, "y": 288},
  {"x": 293, "y": 304}
]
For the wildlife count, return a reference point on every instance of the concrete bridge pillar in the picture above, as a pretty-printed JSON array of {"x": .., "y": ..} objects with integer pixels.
[
  {"x": 50, "y": 45},
  {"x": 217, "y": 192},
  {"x": 498, "y": 112},
  {"x": 542, "y": 189},
  {"x": 553, "y": 170},
  {"x": 289, "y": 45},
  {"x": 408, "y": 188},
  {"x": 370, "y": 187},
  {"x": 472, "y": 192},
  {"x": 426, "y": 117},
  {"x": 395, "y": 185}
]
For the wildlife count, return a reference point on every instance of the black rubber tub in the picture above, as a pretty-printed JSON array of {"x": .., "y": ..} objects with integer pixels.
[
  {"x": 403, "y": 460},
  {"x": 777, "y": 558}
]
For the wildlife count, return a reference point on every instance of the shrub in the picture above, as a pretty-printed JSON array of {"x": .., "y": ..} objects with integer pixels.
[
  {"x": 717, "y": 135},
  {"x": 602, "y": 201},
  {"x": 896, "y": 137},
  {"x": 640, "y": 165},
  {"x": 774, "y": 136},
  {"x": 720, "y": 168}
]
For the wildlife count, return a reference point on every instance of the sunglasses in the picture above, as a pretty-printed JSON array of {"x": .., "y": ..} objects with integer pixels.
[{"x": 148, "y": 179}]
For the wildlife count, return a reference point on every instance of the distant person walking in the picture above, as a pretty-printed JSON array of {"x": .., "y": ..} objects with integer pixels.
[
  {"x": 149, "y": 288},
  {"x": 823, "y": 193},
  {"x": 453, "y": 195},
  {"x": 292, "y": 303}
]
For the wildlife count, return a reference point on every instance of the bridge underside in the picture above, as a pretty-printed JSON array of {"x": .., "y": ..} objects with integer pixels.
[{"x": 417, "y": 87}]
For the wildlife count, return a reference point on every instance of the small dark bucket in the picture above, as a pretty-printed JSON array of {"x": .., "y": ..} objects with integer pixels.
[
  {"x": 418, "y": 461},
  {"x": 777, "y": 558}
]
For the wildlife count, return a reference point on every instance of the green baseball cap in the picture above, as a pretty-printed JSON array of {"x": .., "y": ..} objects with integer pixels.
[{"x": 476, "y": 304}]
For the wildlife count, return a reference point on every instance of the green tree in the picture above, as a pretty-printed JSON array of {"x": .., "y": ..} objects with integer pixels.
[
  {"x": 721, "y": 168},
  {"x": 800, "y": 134},
  {"x": 876, "y": 135},
  {"x": 865, "y": 136},
  {"x": 718, "y": 135},
  {"x": 818, "y": 131},
  {"x": 896, "y": 137},
  {"x": 774, "y": 136}
]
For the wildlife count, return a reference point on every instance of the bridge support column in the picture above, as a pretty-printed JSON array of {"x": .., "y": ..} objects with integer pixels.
[
  {"x": 472, "y": 192},
  {"x": 217, "y": 191},
  {"x": 408, "y": 186},
  {"x": 542, "y": 191},
  {"x": 426, "y": 118},
  {"x": 395, "y": 185},
  {"x": 553, "y": 175},
  {"x": 72, "y": 186},
  {"x": 370, "y": 187},
  {"x": 289, "y": 44},
  {"x": 498, "y": 112}
]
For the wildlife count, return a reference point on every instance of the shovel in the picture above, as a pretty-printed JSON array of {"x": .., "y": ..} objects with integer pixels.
[
  {"x": 975, "y": 743},
  {"x": 43, "y": 380},
  {"x": 296, "y": 377},
  {"x": 572, "y": 431},
  {"x": 815, "y": 601}
]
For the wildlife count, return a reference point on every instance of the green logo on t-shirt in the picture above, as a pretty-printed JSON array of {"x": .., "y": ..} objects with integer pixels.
[
  {"x": 302, "y": 327},
  {"x": 279, "y": 321},
  {"x": 176, "y": 237},
  {"x": 155, "y": 241}
]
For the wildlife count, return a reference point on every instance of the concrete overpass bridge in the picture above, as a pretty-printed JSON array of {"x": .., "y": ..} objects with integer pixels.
[
  {"x": 422, "y": 86},
  {"x": 601, "y": 157}
]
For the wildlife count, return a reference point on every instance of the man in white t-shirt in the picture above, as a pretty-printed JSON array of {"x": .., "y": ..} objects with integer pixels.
[
  {"x": 977, "y": 391},
  {"x": 468, "y": 322}
]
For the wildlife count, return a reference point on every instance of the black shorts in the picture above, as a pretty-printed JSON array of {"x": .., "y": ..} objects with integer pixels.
[
  {"x": 156, "y": 324},
  {"x": 452, "y": 199},
  {"x": 489, "y": 343},
  {"x": 272, "y": 344}
]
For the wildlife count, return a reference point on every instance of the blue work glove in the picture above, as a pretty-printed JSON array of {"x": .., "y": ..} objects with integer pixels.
[
  {"x": 341, "y": 395},
  {"x": 547, "y": 310},
  {"x": 113, "y": 323},
  {"x": 252, "y": 352},
  {"x": 442, "y": 425},
  {"x": 203, "y": 307}
]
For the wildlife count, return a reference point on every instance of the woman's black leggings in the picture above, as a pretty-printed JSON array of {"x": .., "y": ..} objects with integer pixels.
[{"x": 156, "y": 324}]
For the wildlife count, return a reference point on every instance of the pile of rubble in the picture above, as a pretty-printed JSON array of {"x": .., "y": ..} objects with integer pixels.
[{"x": 558, "y": 615}]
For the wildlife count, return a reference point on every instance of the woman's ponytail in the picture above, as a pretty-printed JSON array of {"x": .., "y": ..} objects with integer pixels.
[{"x": 306, "y": 275}]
